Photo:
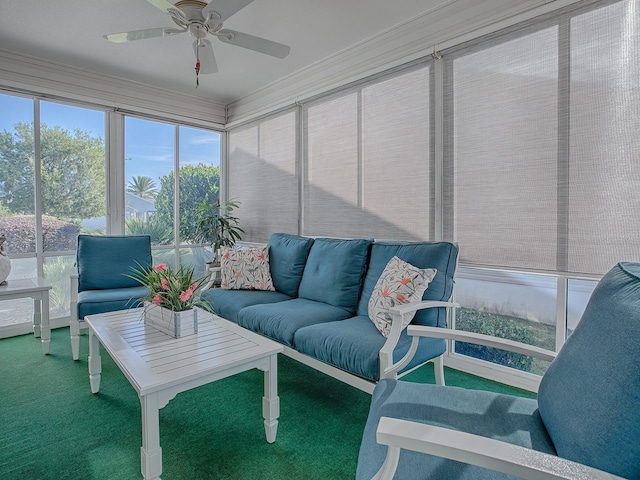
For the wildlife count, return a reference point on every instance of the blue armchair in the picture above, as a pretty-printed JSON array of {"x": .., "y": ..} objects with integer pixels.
[
  {"x": 102, "y": 284},
  {"x": 584, "y": 424}
]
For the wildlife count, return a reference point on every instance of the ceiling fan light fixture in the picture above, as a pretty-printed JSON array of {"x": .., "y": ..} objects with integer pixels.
[{"x": 201, "y": 19}]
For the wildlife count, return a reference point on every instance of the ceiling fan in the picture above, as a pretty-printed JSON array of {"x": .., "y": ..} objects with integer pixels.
[{"x": 201, "y": 19}]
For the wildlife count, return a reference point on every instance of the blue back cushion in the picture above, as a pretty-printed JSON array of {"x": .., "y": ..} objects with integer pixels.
[
  {"x": 287, "y": 258},
  {"x": 104, "y": 261},
  {"x": 334, "y": 272},
  {"x": 443, "y": 256},
  {"x": 589, "y": 398}
]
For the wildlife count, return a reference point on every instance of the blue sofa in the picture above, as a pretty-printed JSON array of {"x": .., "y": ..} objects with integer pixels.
[{"x": 318, "y": 310}]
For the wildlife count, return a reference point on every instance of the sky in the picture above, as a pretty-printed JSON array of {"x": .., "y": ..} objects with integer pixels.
[{"x": 149, "y": 145}]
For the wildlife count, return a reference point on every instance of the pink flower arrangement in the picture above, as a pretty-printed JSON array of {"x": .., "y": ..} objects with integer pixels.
[{"x": 175, "y": 290}]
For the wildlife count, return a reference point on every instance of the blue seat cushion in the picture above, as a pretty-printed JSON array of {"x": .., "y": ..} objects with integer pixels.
[
  {"x": 354, "y": 344},
  {"x": 228, "y": 303},
  {"x": 334, "y": 272},
  {"x": 502, "y": 417},
  {"x": 280, "y": 321},
  {"x": 105, "y": 261},
  {"x": 287, "y": 258},
  {"x": 590, "y": 395},
  {"x": 443, "y": 256},
  {"x": 91, "y": 302}
]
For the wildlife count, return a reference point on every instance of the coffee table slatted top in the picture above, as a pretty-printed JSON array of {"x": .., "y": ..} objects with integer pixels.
[{"x": 155, "y": 360}]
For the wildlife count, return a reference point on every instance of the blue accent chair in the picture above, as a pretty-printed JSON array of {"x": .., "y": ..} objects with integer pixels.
[
  {"x": 584, "y": 424},
  {"x": 102, "y": 284}
]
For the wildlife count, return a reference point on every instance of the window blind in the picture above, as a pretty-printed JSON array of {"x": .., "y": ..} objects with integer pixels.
[
  {"x": 263, "y": 176},
  {"x": 368, "y": 160},
  {"x": 541, "y": 145}
]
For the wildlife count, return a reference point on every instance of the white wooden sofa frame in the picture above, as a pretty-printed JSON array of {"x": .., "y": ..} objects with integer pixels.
[{"x": 387, "y": 368}]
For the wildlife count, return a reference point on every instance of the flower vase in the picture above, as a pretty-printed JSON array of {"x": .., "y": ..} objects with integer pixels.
[{"x": 176, "y": 324}]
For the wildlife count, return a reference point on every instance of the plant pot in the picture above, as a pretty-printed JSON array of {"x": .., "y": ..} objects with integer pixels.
[{"x": 176, "y": 324}]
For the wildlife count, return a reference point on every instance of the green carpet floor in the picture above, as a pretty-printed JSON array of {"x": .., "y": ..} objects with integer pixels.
[{"x": 52, "y": 427}]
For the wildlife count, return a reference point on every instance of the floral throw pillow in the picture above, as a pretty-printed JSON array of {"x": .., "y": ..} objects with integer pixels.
[
  {"x": 246, "y": 269},
  {"x": 399, "y": 283}
]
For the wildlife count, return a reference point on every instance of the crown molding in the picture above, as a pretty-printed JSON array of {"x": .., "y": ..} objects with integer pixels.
[
  {"x": 450, "y": 23},
  {"x": 41, "y": 77}
]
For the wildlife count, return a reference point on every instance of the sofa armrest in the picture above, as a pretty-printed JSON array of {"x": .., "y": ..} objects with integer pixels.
[
  {"x": 475, "y": 450},
  {"x": 387, "y": 368}
]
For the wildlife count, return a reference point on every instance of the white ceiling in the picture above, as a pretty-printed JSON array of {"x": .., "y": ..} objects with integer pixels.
[{"x": 70, "y": 32}]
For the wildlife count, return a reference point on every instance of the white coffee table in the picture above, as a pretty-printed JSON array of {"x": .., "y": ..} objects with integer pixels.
[{"x": 159, "y": 366}]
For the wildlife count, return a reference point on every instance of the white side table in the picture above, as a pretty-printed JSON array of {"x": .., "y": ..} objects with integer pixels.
[{"x": 38, "y": 289}]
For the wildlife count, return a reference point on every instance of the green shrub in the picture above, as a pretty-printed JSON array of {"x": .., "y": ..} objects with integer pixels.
[
  {"x": 496, "y": 326},
  {"x": 20, "y": 231},
  {"x": 160, "y": 233}
]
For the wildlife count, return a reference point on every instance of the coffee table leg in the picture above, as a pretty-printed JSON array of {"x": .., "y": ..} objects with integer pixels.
[
  {"x": 271, "y": 401},
  {"x": 95, "y": 362},
  {"x": 150, "y": 453}
]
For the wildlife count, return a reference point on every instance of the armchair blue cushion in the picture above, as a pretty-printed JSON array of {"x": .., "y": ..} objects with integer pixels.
[
  {"x": 589, "y": 398},
  {"x": 103, "y": 283},
  {"x": 104, "y": 261},
  {"x": 588, "y": 407},
  {"x": 504, "y": 417},
  {"x": 91, "y": 302}
]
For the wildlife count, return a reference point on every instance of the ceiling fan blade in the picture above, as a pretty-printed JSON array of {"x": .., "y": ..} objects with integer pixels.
[
  {"x": 224, "y": 8},
  {"x": 168, "y": 7},
  {"x": 163, "y": 5},
  {"x": 207, "y": 58},
  {"x": 142, "y": 34},
  {"x": 257, "y": 44}
]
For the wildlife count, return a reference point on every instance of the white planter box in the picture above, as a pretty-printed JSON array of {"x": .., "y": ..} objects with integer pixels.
[{"x": 176, "y": 324}]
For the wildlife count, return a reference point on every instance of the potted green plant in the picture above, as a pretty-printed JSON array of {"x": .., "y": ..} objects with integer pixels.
[{"x": 217, "y": 227}]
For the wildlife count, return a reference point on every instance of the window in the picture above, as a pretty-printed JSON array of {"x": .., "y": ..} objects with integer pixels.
[
  {"x": 263, "y": 176},
  {"x": 541, "y": 169},
  {"x": 199, "y": 182},
  {"x": 44, "y": 205},
  {"x": 366, "y": 169},
  {"x": 513, "y": 305},
  {"x": 151, "y": 160},
  {"x": 149, "y": 163},
  {"x": 541, "y": 144}
]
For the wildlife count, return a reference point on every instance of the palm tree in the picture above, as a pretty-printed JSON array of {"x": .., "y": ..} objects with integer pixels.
[{"x": 143, "y": 187}]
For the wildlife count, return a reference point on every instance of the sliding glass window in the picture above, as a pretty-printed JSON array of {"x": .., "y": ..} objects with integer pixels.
[
  {"x": 154, "y": 151},
  {"x": 44, "y": 204}
]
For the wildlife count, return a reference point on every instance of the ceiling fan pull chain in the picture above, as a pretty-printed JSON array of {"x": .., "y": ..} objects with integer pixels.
[{"x": 198, "y": 63}]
